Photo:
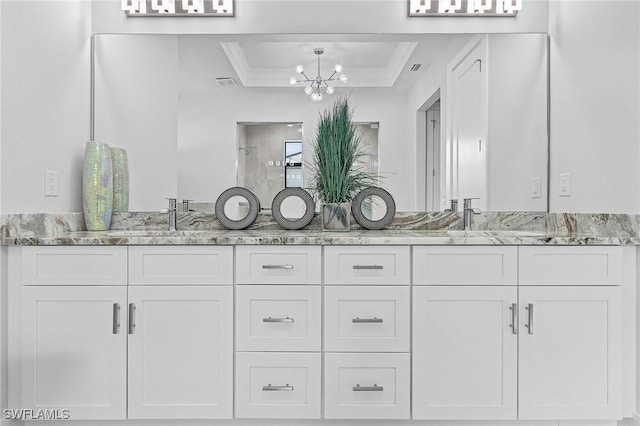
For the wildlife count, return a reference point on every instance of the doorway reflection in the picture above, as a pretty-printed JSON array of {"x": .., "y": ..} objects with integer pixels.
[{"x": 269, "y": 158}]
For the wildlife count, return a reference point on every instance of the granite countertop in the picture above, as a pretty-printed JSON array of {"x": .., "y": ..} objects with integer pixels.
[
  {"x": 355, "y": 237},
  {"x": 514, "y": 228}
]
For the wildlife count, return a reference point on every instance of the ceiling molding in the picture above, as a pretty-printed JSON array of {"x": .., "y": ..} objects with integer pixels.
[{"x": 358, "y": 77}]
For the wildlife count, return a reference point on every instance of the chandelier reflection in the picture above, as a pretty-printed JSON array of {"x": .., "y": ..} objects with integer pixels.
[{"x": 318, "y": 84}]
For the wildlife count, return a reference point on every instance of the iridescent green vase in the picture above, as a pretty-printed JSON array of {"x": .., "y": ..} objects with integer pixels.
[
  {"x": 120, "y": 165},
  {"x": 97, "y": 186}
]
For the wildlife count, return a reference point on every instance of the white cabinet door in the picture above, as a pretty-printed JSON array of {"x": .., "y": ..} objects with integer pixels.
[
  {"x": 278, "y": 318},
  {"x": 278, "y": 385},
  {"x": 465, "y": 265},
  {"x": 176, "y": 265},
  {"x": 181, "y": 352},
  {"x": 366, "y": 386},
  {"x": 367, "y": 265},
  {"x": 73, "y": 352},
  {"x": 278, "y": 264},
  {"x": 570, "y": 352},
  {"x": 464, "y": 352},
  {"x": 366, "y": 318}
]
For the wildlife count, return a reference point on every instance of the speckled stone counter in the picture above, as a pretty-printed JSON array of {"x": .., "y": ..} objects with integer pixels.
[{"x": 408, "y": 228}]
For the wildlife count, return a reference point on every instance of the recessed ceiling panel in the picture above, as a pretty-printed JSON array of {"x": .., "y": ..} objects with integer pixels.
[{"x": 271, "y": 64}]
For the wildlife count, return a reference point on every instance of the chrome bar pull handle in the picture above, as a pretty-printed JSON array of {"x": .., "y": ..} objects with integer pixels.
[
  {"x": 116, "y": 318},
  {"x": 287, "y": 319},
  {"x": 374, "y": 388},
  {"x": 514, "y": 318},
  {"x": 270, "y": 387},
  {"x": 529, "y": 324},
  {"x": 277, "y": 266},
  {"x": 366, "y": 320},
  {"x": 359, "y": 267},
  {"x": 132, "y": 322}
]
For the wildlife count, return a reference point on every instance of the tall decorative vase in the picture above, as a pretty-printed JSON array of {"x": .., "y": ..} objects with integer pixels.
[
  {"x": 336, "y": 216},
  {"x": 97, "y": 186},
  {"x": 120, "y": 166}
]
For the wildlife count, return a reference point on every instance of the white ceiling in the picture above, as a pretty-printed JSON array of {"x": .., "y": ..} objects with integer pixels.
[{"x": 268, "y": 61}]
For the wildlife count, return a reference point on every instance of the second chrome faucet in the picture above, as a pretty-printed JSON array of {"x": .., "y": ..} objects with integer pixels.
[{"x": 467, "y": 213}]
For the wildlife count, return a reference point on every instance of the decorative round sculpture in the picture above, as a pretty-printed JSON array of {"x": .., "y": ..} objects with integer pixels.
[
  {"x": 373, "y": 208},
  {"x": 237, "y": 208},
  {"x": 120, "y": 165},
  {"x": 97, "y": 186},
  {"x": 306, "y": 206}
]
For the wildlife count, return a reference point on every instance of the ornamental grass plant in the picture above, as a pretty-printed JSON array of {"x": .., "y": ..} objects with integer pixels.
[{"x": 336, "y": 174}]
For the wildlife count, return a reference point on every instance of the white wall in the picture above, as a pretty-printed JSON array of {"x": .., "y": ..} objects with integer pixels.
[
  {"x": 136, "y": 108},
  {"x": 517, "y": 140},
  {"x": 45, "y": 102},
  {"x": 595, "y": 106}
]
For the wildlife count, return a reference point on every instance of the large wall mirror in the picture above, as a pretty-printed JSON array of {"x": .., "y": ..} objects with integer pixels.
[{"x": 454, "y": 115}]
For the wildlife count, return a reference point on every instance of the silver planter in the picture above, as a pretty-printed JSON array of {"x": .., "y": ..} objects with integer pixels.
[{"x": 336, "y": 216}]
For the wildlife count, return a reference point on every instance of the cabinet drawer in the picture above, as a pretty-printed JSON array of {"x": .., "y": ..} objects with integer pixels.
[
  {"x": 278, "y": 385},
  {"x": 366, "y": 386},
  {"x": 366, "y": 319},
  {"x": 278, "y": 265},
  {"x": 74, "y": 265},
  {"x": 278, "y": 318},
  {"x": 595, "y": 265},
  {"x": 371, "y": 265},
  {"x": 174, "y": 265},
  {"x": 471, "y": 265}
]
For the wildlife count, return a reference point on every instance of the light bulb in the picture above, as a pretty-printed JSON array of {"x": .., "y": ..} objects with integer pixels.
[
  {"x": 134, "y": 6},
  {"x": 343, "y": 78},
  {"x": 329, "y": 90},
  {"x": 193, "y": 6},
  {"x": 318, "y": 97},
  {"x": 338, "y": 68},
  {"x": 449, "y": 6},
  {"x": 508, "y": 6},
  {"x": 512, "y": 6},
  {"x": 293, "y": 81},
  {"x": 479, "y": 6},
  {"x": 223, "y": 6},
  {"x": 308, "y": 90},
  {"x": 314, "y": 96},
  {"x": 299, "y": 69},
  {"x": 163, "y": 6}
]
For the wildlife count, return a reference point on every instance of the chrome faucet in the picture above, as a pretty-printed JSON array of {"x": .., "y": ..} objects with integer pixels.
[{"x": 468, "y": 213}]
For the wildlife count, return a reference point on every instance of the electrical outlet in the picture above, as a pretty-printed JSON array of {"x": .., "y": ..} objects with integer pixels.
[
  {"x": 565, "y": 185},
  {"x": 536, "y": 189},
  {"x": 50, "y": 184}
]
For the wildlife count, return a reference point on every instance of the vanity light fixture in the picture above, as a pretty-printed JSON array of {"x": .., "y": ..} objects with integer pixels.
[
  {"x": 313, "y": 89},
  {"x": 177, "y": 7},
  {"x": 464, "y": 7}
]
